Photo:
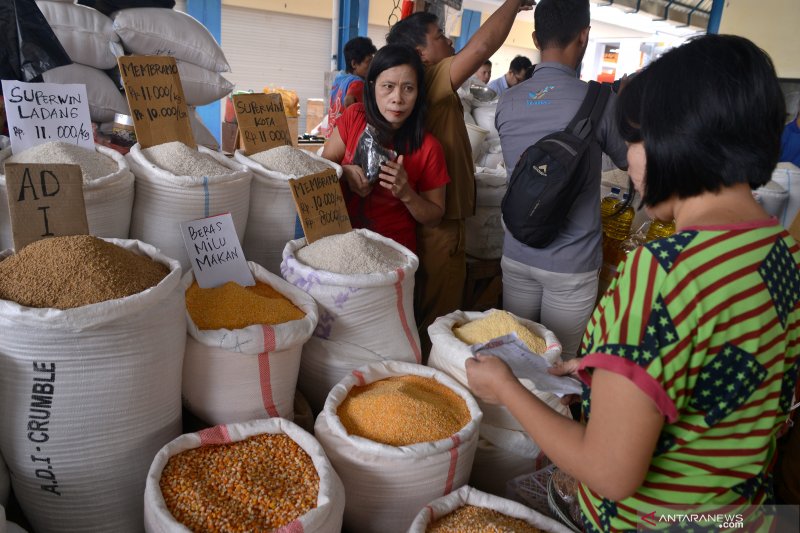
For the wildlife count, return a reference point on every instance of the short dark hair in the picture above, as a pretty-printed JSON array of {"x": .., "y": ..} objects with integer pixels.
[
  {"x": 412, "y": 31},
  {"x": 409, "y": 137},
  {"x": 357, "y": 49},
  {"x": 487, "y": 62},
  {"x": 519, "y": 63},
  {"x": 710, "y": 115},
  {"x": 558, "y": 22}
]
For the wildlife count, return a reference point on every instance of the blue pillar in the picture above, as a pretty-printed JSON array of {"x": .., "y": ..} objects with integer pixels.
[
  {"x": 470, "y": 22},
  {"x": 353, "y": 22},
  {"x": 716, "y": 16},
  {"x": 209, "y": 13}
]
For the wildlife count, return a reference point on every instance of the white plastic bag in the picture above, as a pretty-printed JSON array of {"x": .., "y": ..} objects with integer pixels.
[
  {"x": 239, "y": 375},
  {"x": 271, "y": 223},
  {"x": 325, "y": 517},
  {"x": 164, "y": 200},
  {"x": 386, "y": 486},
  {"x": 467, "y": 495},
  {"x": 108, "y": 200},
  {"x": 88, "y": 396}
]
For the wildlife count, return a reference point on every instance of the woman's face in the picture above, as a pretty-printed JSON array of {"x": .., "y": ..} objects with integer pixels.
[{"x": 396, "y": 94}]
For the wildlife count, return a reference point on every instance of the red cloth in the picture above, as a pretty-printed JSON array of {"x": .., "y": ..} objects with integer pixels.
[{"x": 380, "y": 211}]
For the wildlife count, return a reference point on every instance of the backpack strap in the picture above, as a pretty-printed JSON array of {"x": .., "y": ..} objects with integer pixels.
[{"x": 588, "y": 115}]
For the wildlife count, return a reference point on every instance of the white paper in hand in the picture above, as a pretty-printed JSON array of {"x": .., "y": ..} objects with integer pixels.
[{"x": 528, "y": 365}]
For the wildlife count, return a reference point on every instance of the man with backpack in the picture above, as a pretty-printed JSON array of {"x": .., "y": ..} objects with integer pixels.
[{"x": 554, "y": 281}]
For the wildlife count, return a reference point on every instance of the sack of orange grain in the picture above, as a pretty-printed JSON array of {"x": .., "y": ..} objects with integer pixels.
[
  {"x": 243, "y": 347},
  {"x": 504, "y": 441},
  {"x": 262, "y": 475},
  {"x": 469, "y": 509},
  {"x": 399, "y": 435}
]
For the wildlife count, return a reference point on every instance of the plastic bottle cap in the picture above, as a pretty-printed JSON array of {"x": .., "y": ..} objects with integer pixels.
[{"x": 615, "y": 190}]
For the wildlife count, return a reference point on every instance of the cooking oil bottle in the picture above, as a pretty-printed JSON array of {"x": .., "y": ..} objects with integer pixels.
[
  {"x": 659, "y": 229},
  {"x": 616, "y": 228}
]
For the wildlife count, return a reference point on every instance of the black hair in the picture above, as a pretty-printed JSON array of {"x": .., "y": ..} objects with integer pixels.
[
  {"x": 558, "y": 22},
  {"x": 357, "y": 49},
  {"x": 519, "y": 63},
  {"x": 408, "y": 138},
  {"x": 710, "y": 115},
  {"x": 412, "y": 31},
  {"x": 487, "y": 62}
]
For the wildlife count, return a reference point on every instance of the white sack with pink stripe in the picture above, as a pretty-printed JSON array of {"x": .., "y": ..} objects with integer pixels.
[
  {"x": 363, "y": 318},
  {"x": 386, "y": 486},
  {"x": 499, "y": 427},
  {"x": 88, "y": 396},
  {"x": 326, "y": 517},
  {"x": 243, "y": 374}
]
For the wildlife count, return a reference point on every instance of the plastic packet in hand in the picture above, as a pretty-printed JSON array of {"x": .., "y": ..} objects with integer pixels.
[{"x": 370, "y": 155}]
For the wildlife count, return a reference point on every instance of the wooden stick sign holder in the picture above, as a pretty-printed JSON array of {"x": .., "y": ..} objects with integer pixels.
[
  {"x": 320, "y": 205},
  {"x": 45, "y": 200},
  {"x": 155, "y": 97},
  {"x": 262, "y": 122}
]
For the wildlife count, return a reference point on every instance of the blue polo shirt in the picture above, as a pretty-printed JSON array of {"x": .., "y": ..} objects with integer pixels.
[
  {"x": 541, "y": 105},
  {"x": 790, "y": 143},
  {"x": 499, "y": 85}
]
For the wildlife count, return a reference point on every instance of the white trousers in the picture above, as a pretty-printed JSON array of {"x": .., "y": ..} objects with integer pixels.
[{"x": 563, "y": 303}]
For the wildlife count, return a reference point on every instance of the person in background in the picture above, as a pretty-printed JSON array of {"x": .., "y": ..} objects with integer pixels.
[
  {"x": 557, "y": 285},
  {"x": 692, "y": 355},
  {"x": 484, "y": 73},
  {"x": 790, "y": 142},
  {"x": 348, "y": 87},
  {"x": 443, "y": 268},
  {"x": 517, "y": 73},
  {"x": 410, "y": 190}
]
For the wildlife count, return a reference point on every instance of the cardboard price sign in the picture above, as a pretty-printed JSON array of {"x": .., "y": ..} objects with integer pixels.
[
  {"x": 215, "y": 252},
  {"x": 47, "y": 112},
  {"x": 45, "y": 200},
  {"x": 262, "y": 121},
  {"x": 155, "y": 97},
  {"x": 320, "y": 205}
]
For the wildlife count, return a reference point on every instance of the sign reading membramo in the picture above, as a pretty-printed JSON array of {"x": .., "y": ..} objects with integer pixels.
[{"x": 320, "y": 205}]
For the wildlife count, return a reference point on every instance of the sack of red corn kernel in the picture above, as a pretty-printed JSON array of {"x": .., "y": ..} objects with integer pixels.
[
  {"x": 261, "y": 475},
  {"x": 364, "y": 286},
  {"x": 243, "y": 347},
  {"x": 506, "y": 442},
  {"x": 469, "y": 509},
  {"x": 399, "y": 435},
  {"x": 89, "y": 385}
]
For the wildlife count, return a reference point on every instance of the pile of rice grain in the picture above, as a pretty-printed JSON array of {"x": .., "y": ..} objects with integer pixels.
[
  {"x": 69, "y": 272},
  {"x": 289, "y": 160},
  {"x": 497, "y": 324},
  {"x": 350, "y": 253},
  {"x": 181, "y": 160},
  {"x": 93, "y": 164}
]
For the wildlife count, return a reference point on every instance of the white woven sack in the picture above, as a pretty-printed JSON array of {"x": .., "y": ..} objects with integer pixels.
[
  {"x": 325, "y": 363},
  {"x": 93, "y": 393},
  {"x": 449, "y": 354},
  {"x": 243, "y": 374},
  {"x": 484, "y": 117},
  {"x": 325, "y": 517},
  {"x": 484, "y": 233},
  {"x": 386, "y": 486},
  {"x": 164, "y": 200},
  {"x": 108, "y": 200},
  {"x": 467, "y": 495},
  {"x": 271, "y": 223},
  {"x": 490, "y": 186},
  {"x": 494, "y": 467},
  {"x": 374, "y": 311},
  {"x": 105, "y": 99},
  {"x": 202, "y": 135},
  {"x": 87, "y": 35},
  {"x": 202, "y": 86},
  {"x": 788, "y": 176},
  {"x": 154, "y": 31}
]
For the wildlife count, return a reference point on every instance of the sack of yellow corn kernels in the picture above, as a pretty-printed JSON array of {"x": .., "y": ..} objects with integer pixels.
[
  {"x": 363, "y": 284},
  {"x": 504, "y": 436},
  {"x": 399, "y": 435},
  {"x": 261, "y": 475},
  {"x": 469, "y": 509},
  {"x": 243, "y": 347}
]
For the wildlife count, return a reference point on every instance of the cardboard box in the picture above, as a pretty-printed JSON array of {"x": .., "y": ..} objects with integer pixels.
[
  {"x": 315, "y": 112},
  {"x": 230, "y": 137},
  {"x": 293, "y": 126}
]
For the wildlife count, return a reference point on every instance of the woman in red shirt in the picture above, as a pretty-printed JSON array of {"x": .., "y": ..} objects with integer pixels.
[{"x": 411, "y": 189}]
